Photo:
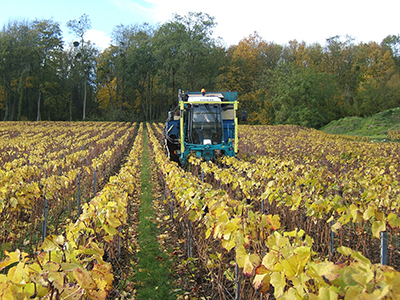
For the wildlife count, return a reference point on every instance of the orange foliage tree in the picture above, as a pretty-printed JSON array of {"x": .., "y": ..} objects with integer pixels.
[{"x": 247, "y": 62}]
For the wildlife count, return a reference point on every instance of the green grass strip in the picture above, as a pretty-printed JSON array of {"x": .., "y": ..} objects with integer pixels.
[{"x": 152, "y": 274}]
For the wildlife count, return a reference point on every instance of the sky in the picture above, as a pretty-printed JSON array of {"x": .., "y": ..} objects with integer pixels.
[{"x": 275, "y": 21}]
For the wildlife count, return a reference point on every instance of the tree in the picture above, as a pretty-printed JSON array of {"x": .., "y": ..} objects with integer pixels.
[
  {"x": 49, "y": 45},
  {"x": 303, "y": 55},
  {"x": 135, "y": 67},
  {"x": 248, "y": 60},
  {"x": 80, "y": 26},
  {"x": 141, "y": 67},
  {"x": 106, "y": 80},
  {"x": 379, "y": 85},
  {"x": 5, "y": 70},
  {"x": 188, "y": 56},
  {"x": 340, "y": 60},
  {"x": 392, "y": 43},
  {"x": 138, "y": 77},
  {"x": 196, "y": 48},
  {"x": 167, "y": 41},
  {"x": 87, "y": 53},
  {"x": 300, "y": 96},
  {"x": 246, "y": 64},
  {"x": 123, "y": 38},
  {"x": 16, "y": 46}
]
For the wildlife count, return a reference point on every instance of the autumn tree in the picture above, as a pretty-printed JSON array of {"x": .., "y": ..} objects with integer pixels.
[
  {"x": 247, "y": 62},
  {"x": 137, "y": 78},
  {"x": 379, "y": 86},
  {"x": 107, "y": 80},
  {"x": 392, "y": 43}
]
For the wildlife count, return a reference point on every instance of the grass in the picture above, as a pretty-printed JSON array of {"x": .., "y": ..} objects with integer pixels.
[
  {"x": 152, "y": 273},
  {"x": 375, "y": 127}
]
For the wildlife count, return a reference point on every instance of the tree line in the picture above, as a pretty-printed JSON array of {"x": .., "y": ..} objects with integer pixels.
[{"x": 138, "y": 76}]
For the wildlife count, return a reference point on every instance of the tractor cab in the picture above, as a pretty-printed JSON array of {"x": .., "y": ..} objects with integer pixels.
[{"x": 204, "y": 124}]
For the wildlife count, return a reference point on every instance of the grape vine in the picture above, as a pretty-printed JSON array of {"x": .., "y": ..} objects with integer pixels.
[{"x": 228, "y": 227}]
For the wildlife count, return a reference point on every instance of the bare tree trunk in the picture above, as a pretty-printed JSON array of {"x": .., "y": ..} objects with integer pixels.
[
  {"x": 6, "y": 99},
  {"x": 122, "y": 93},
  {"x": 38, "y": 118},
  {"x": 173, "y": 89},
  {"x": 149, "y": 96},
  {"x": 6, "y": 111},
  {"x": 84, "y": 102},
  {"x": 116, "y": 96},
  {"x": 14, "y": 102},
  {"x": 110, "y": 101},
  {"x": 20, "y": 104},
  {"x": 143, "y": 102},
  {"x": 70, "y": 107}
]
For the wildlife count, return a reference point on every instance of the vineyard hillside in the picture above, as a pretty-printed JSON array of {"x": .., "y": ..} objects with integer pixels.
[
  {"x": 377, "y": 127},
  {"x": 296, "y": 214}
]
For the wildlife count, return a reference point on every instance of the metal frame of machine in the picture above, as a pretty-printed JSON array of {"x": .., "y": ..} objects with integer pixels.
[{"x": 181, "y": 123}]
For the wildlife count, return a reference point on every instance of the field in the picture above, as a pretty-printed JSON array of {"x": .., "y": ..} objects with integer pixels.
[
  {"x": 58, "y": 234},
  {"x": 299, "y": 214}
]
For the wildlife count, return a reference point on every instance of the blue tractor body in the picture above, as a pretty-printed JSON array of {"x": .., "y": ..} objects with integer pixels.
[{"x": 204, "y": 124}]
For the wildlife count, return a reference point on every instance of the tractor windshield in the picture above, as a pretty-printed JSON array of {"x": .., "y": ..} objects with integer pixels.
[{"x": 207, "y": 124}]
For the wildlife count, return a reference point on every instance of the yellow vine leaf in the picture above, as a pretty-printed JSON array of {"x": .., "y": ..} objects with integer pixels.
[
  {"x": 393, "y": 220},
  {"x": 278, "y": 280},
  {"x": 12, "y": 257},
  {"x": 369, "y": 212},
  {"x": 324, "y": 294},
  {"x": 378, "y": 227},
  {"x": 84, "y": 279},
  {"x": 269, "y": 260},
  {"x": 72, "y": 292},
  {"x": 246, "y": 261},
  {"x": 7, "y": 291},
  {"x": 262, "y": 279},
  {"x": 346, "y": 251},
  {"x": 231, "y": 226},
  {"x": 228, "y": 244},
  {"x": 274, "y": 222},
  {"x": 97, "y": 295},
  {"x": 102, "y": 273}
]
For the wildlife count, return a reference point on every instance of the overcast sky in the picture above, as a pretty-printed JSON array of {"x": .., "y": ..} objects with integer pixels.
[{"x": 275, "y": 21}]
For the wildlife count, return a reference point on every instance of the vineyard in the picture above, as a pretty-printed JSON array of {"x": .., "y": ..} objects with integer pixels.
[
  {"x": 58, "y": 233},
  {"x": 299, "y": 214}
]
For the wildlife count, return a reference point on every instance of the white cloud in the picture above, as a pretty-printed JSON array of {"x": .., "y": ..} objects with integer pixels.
[
  {"x": 281, "y": 21},
  {"x": 235, "y": 21},
  {"x": 99, "y": 38}
]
